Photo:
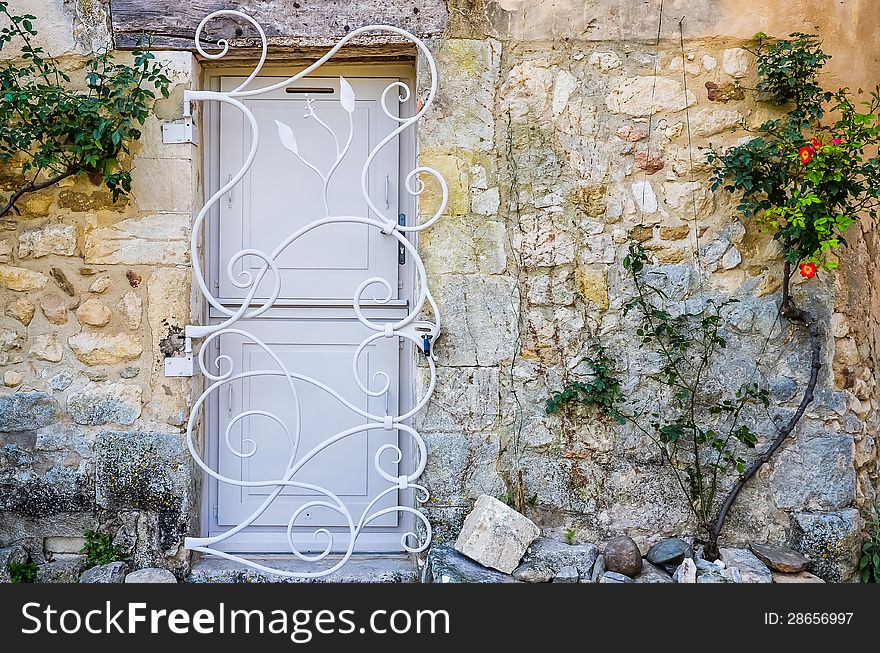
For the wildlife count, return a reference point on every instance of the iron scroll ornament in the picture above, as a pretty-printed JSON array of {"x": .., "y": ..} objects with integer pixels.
[{"x": 221, "y": 370}]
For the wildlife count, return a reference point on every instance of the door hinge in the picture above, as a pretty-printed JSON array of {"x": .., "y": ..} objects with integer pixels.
[
  {"x": 401, "y": 250},
  {"x": 216, "y": 511}
]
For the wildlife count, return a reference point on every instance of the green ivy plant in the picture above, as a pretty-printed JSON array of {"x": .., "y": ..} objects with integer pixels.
[
  {"x": 51, "y": 130},
  {"x": 22, "y": 572},
  {"x": 100, "y": 550},
  {"x": 805, "y": 178},
  {"x": 869, "y": 561},
  {"x": 699, "y": 435}
]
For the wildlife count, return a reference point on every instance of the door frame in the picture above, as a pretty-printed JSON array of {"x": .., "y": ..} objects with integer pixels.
[{"x": 407, "y": 203}]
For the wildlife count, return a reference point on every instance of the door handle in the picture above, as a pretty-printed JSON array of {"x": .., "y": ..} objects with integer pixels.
[
  {"x": 229, "y": 400},
  {"x": 387, "y": 191},
  {"x": 229, "y": 192}
]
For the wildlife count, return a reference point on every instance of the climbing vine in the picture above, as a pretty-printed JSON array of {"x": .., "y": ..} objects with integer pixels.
[{"x": 50, "y": 130}]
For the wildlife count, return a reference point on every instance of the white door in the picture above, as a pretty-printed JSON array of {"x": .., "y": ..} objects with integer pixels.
[{"x": 311, "y": 331}]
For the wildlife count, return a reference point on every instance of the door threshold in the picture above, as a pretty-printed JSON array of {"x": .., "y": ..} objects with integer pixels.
[{"x": 363, "y": 568}]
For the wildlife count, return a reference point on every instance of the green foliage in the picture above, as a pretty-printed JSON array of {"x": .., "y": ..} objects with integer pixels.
[
  {"x": 100, "y": 550},
  {"x": 699, "y": 432},
  {"x": 23, "y": 572},
  {"x": 568, "y": 536},
  {"x": 869, "y": 563},
  {"x": 804, "y": 178},
  {"x": 600, "y": 393},
  {"x": 49, "y": 130}
]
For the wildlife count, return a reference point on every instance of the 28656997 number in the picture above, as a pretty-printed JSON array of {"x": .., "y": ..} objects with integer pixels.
[{"x": 808, "y": 618}]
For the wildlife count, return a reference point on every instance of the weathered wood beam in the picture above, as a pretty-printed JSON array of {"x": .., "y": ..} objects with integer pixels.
[{"x": 171, "y": 24}]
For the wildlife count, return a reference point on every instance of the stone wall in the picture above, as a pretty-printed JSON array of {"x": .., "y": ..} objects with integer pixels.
[
  {"x": 561, "y": 145},
  {"x": 563, "y": 133},
  {"x": 94, "y": 294}
]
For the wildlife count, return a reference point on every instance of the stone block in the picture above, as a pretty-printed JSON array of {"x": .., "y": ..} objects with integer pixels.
[
  {"x": 446, "y": 565},
  {"x": 105, "y": 349},
  {"x": 46, "y": 347},
  {"x": 647, "y": 95},
  {"x": 815, "y": 473},
  {"x": 26, "y": 411},
  {"x": 750, "y": 568},
  {"x": 554, "y": 556},
  {"x": 21, "y": 279},
  {"x": 117, "y": 403},
  {"x": 780, "y": 558},
  {"x": 495, "y": 535},
  {"x": 154, "y": 240},
  {"x": 113, "y": 572},
  {"x": 64, "y": 569},
  {"x": 11, "y": 555},
  {"x": 57, "y": 239},
  {"x": 831, "y": 540},
  {"x": 162, "y": 185}
]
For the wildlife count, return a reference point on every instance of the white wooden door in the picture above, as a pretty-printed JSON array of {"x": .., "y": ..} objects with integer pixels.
[
  {"x": 309, "y": 331},
  {"x": 280, "y": 194}
]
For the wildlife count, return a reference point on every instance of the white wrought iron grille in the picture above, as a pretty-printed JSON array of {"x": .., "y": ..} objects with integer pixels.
[{"x": 221, "y": 370}]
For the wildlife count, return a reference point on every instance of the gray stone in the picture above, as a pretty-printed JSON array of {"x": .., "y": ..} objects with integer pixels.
[
  {"x": 686, "y": 572},
  {"x": 446, "y": 565},
  {"x": 496, "y": 535},
  {"x": 780, "y": 558},
  {"x": 830, "y": 540},
  {"x": 816, "y": 473},
  {"x": 117, "y": 403},
  {"x": 716, "y": 577},
  {"x": 61, "y": 570},
  {"x": 598, "y": 569},
  {"x": 669, "y": 551},
  {"x": 614, "y": 577},
  {"x": 652, "y": 574},
  {"x": 26, "y": 411},
  {"x": 622, "y": 555},
  {"x": 360, "y": 569},
  {"x": 150, "y": 575},
  {"x": 146, "y": 471},
  {"x": 113, "y": 572},
  {"x": 11, "y": 555},
  {"x": 750, "y": 568},
  {"x": 129, "y": 372},
  {"x": 556, "y": 555},
  {"x": 535, "y": 571},
  {"x": 567, "y": 575},
  {"x": 61, "y": 381},
  {"x": 782, "y": 388}
]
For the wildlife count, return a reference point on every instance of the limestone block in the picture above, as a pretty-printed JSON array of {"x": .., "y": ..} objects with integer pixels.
[
  {"x": 26, "y": 411},
  {"x": 708, "y": 122},
  {"x": 12, "y": 379},
  {"x": 11, "y": 555},
  {"x": 21, "y": 309},
  {"x": 554, "y": 556},
  {"x": 57, "y": 239},
  {"x": 465, "y": 398},
  {"x": 105, "y": 349},
  {"x": 496, "y": 535},
  {"x": 162, "y": 185},
  {"x": 461, "y": 245},
  {"x": 638, "y": 96},
  {"x": 461, "y": 467},
  {"x": 100, "y": 285},
  {"x": 815, "y": 473},
  {"x": 736, "y": 62},
  {"x": 154, "y": 240},
  {"x": 93, "y": 313},
  {"x": 21, "y": 279},
  {"x": 131, "y": 308},
  {"x": 463, "y": 115},
  {"x": 47, "y": 347},
  {"x": 117, "y": 403},
  {"x": 779, "y": 558}
]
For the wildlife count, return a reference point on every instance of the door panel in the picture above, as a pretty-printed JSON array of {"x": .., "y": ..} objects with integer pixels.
[
  {"x": 280, "y": 194},
  {"x": 322, "y": 350}
]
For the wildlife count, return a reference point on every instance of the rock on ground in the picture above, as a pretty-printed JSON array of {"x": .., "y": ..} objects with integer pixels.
[
  {"x": 669, "y": 551},
  {"x": 496, "y": 535},
  {"x": 150, "y": 575},
  {"x": 686, "y": 572},
  {"x": 780, "y": 558},
  {"x": 614, "y": 577},
  {"x": 552, "y": 556},
  {"x": 750, "y": 568},
  {"x": 598, "y": 569},
  {"x": 113, "y": 572},
  {"x": 801, "y": 577},
  {"x": 622, "y": 555},
  {"x": 652, "y": 574},
  {"x": 446, "y": 565},
  {"x": 61, "y": 570}
]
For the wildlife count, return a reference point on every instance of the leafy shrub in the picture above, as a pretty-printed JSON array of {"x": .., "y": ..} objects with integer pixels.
[{"x": 100, "y": 550}]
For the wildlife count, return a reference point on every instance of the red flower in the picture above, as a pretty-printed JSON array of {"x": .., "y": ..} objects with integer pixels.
[
  {"x": 808, "y": 270},
  {"x": 814, "y": 144},
  {"x": 806, "y": 154}
]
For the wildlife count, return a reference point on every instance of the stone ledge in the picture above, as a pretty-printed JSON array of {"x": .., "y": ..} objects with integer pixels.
[{"x": 360, "y": 569}]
